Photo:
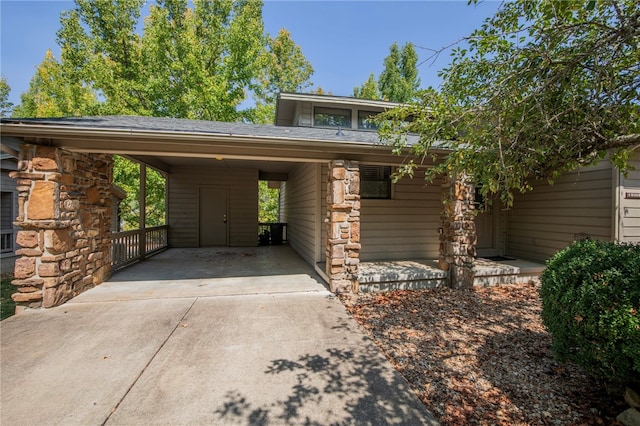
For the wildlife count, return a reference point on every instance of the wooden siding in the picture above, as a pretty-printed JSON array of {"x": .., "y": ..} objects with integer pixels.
[
  {"x": 300, "y": 210},
  {"x": 404, "y": 227},
  {"x": 184, "y": 184},
  {"x": 629, "y": 208},
  {"x": 304, "y": 115},
  {"x": 550, "y": 217}
]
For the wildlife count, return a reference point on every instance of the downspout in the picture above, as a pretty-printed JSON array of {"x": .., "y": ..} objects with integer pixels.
[{"x": 616, "y": 206}]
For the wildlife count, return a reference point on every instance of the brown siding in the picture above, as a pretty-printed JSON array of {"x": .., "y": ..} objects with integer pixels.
[
  {"x": 184, "y": 184},
  {"x": 629, "y": 211},
  {"x": 301, "y": 210},
  {"x": 404, "y": 227},
  {"x": 550, "y": 217}
]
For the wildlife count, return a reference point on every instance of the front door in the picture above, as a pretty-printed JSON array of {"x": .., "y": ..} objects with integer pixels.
[
  {"x": 485, "y": 233},
  {"x": 213, "y": 216}
]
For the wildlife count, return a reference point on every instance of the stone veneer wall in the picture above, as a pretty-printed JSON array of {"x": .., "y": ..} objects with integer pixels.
[
  {"x": 458, "y": 233},
  {"x": 64, "y": 204},
  {"x": 343, "y": 226}
]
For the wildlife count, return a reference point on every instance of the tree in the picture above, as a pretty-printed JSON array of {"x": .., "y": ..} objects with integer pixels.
[
  {"x": 5, "y": 105},
  {"x": 399, "y": 80},
  {"x": 52, "y": 93},
  {"x": 542, "y": 88},
  {"x": 369, "y": 90},
  {"x": 200, "y": 62},
  {"x": 284, "y": 69},
  {"x": 267, "y": 202}
]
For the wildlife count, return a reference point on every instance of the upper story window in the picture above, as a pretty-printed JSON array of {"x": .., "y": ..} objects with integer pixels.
[
  {"x": 365, "y": 120},
  {"x": 331, "y": 117},
  {"x": 375, "y": 182}
]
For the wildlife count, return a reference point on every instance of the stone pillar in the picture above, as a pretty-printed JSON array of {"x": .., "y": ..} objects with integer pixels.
[
  {"x": 64, "y": 210},
  {"x": 458, "y": 232},
  {"x": 342, "y": 241}
]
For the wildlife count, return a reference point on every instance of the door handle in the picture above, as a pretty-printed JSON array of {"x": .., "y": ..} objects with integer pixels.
[{"x": 224, "y": 219}]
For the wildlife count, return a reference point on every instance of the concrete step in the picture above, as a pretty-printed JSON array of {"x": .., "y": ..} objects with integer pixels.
[{"x": 400, "y": 275}]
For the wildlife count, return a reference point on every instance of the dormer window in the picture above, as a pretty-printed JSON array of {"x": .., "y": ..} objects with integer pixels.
[
  {"x": 365, "y": 120},
  {"x": 331, "y": 117}
]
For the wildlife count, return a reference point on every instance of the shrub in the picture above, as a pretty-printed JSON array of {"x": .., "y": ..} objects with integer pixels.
[{"x": 590, "y": 305}]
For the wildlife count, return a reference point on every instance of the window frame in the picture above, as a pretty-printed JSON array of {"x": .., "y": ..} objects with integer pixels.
[
  {"x": 361, "y": 121},
  {"x": 385, "y": 173},
  {"x": 332, "y": 111}
]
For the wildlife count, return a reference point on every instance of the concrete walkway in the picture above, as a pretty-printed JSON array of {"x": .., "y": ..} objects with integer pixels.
[{"x": 201, "y": 337}]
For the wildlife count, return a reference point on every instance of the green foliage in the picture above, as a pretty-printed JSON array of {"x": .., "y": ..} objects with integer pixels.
[
  {"x": 5, "y": 106},
  {"x": 369, "y": 90},
  {"x": 197, "y": 62},
  {"x": 399, "y": 80},
  {"x": 591, "y": 306},
  {"x": 7, "y": 305},
  {"x": 267, "y": 202},
  {"x": 541, "y": 88},
  {"x": 283, "y": 69},
  {"x": 126, "y": 175},
  {"x": 52, "y": 93}
]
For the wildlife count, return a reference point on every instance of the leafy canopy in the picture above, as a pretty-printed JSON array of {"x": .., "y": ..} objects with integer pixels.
[
  {"x": 398, "y": 80},
  {"x": 197, "y": 62},
  {"x": 5, "y": 105},
  {"x": 542, "y": 88}
]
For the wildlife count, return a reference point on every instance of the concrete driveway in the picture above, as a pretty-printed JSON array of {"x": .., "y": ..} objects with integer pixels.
[{"x": 203, "y": 337}]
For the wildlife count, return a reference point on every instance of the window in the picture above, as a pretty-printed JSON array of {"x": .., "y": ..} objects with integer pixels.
[
  {"x": 6, "y": 217},
  {"x": 365, "y": 120},
  {"x": 331, "y": 117},
  {"x": 375, "y": 182}
]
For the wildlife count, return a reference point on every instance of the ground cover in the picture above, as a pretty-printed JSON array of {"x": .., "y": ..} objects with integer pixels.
[{"x": 482, "y": 357}]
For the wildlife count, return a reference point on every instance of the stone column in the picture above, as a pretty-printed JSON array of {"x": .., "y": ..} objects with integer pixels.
[
  {"x": 342, "y": 241},
  {"x": 458, "y": 232},
  {"x": 64, "y": 203}
]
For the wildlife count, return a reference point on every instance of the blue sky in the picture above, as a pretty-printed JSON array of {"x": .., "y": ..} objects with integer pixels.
[{"x": 344, "y": 40}]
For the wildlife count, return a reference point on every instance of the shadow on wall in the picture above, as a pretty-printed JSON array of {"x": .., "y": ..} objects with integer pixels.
[{"x": 357, "y": 385}]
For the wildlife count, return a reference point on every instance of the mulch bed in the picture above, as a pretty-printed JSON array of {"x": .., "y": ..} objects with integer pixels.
[{"x": 482, "y": 357}]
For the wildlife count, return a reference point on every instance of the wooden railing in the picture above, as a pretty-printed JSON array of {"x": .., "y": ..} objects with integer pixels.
[{"x": 131, "y": 246}]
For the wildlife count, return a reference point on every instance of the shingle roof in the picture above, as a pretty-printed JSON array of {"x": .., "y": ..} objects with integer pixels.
[{"x": 177, "y": 125}]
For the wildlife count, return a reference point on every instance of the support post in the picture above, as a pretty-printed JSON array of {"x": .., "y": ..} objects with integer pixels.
[
  {"x": 342, "y": 240},
  {"x": 458, "y": 232},
  {"x": 64, "y": 203}
]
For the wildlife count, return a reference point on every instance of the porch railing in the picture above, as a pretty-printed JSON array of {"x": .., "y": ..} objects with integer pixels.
[
  {"x": 131, "y": 246},
  {"x": 6, "y": 241}
]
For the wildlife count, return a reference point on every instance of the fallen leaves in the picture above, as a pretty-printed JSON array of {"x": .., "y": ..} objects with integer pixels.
[{"x": 481, "y": 356}]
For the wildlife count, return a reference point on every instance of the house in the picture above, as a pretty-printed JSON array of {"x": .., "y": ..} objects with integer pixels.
[{"x": 343, "y": 214}]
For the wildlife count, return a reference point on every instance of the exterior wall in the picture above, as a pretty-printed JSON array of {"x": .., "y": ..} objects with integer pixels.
[
  {"x": 550, "y": 217},
  {"x": 65, "y": 215},
  {"x": 405, "y": 227},
  {"x": 304, "y": 115},
  {"x": 8, "y": 212},
  {"x": 184, "y": 184},
  {"x": 301, "y": 198},
  {"x": 628, "y": 201}
]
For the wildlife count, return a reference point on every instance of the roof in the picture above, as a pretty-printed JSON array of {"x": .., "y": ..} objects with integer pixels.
[
  {"x": 172, "y": 137},
  {"x": 187, "y": 126}
]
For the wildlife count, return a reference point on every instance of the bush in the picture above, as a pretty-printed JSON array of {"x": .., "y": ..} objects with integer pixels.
[{"x": 590, "y": 305}]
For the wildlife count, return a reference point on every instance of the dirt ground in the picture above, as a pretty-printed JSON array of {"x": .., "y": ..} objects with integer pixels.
[{"x": 482, "y": 357}]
